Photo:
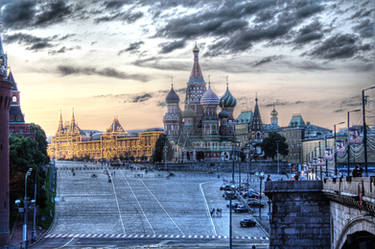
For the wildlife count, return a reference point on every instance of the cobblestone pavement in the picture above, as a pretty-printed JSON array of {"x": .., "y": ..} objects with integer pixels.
[{"x": 100, "y": 203}]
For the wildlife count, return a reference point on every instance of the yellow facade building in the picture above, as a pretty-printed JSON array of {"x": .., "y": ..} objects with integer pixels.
[{"x": 70, "y": 142}]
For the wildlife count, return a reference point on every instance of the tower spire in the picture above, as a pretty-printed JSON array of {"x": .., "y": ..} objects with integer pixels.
[
  {"x": 73, "y": 118},
  {"x": 196, "y": 76},
  {"x": 61, "y": 124}
]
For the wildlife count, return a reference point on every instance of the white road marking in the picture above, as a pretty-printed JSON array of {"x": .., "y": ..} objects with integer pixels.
[
  {"x": 208, "y": 209},
  {"x": 67, "y": 243},
  {"x": 118, "y": 207},
  {"x": 157, "y": 200},
  {"x": 139, "y": 204}
]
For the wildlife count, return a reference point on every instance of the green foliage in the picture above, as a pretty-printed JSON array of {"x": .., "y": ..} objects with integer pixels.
[
  {"x": 158, "y": 153},
  {"x": 41, "y": 139},
  {"x": 269, "y": 145},
  {"x": 25, "y": 153}
]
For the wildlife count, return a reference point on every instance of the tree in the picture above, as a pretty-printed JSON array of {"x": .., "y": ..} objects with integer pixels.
[
  {"x": 41, "y": 139},
  {"x": 158, "y": 153},
  {"x": 25, "y": 153},
  {"x": 269, "y": 145}
]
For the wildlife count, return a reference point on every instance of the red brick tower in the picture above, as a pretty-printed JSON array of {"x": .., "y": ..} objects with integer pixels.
[{"x": 5, "y": 99}]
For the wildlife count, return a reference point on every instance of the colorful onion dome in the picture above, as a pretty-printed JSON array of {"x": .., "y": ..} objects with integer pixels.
[
  {"x": 227, "y": 100},
  {"x": 224, "y": 114},
  {"x": 172, "y": 97},
  {"x": 209, "y": 98}
]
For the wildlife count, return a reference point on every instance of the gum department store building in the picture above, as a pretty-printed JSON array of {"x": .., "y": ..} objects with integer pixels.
[{"x": 71, "y": 142}]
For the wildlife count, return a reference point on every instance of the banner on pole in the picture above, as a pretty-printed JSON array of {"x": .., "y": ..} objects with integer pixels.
[
  {"x": 355, "y": 136},
  {"x": 340, "y": 147},
  {"x": 328, "y": 154}
]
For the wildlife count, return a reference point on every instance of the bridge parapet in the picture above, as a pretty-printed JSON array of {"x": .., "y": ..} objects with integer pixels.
[{"x": 357, "y": 192}]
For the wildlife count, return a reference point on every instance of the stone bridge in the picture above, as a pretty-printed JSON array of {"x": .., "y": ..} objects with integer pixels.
[
  {"x": 336, "y": 214},
  {"x": 352, "y": 211}
]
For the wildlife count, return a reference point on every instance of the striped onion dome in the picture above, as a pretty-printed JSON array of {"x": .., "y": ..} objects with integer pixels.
[
  {"x": 172, "y": 97},
  {"x": 227, "y": 100},
  {"x": 209, "y": 98}
]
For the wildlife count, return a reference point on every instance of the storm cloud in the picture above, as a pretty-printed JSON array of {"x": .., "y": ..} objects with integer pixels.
[
  {"x": 66, "y": 70},
  {"x": 31, "y": 14},
  {"x": 132, "y": 48},
  {"x": 33, "y": 42},
  {"x": 171, "y": 46},
  {"x": 339, "y": 46}
]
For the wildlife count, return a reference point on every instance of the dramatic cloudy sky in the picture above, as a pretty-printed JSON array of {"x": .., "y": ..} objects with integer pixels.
[{"x": 116, "y": 58}]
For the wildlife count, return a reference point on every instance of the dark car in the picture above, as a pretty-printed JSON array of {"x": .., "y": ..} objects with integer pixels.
[
  {"x": 240, "y": 209},
  {"x": 255, "y": 203},
  {"x": 248, "y": 223},
  {"x": 234, "y": 204},
  {"x": 225, "y": 187},
  {"x": 229, "y": 195}
]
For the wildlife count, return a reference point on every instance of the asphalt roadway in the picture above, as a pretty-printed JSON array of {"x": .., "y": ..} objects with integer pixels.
[{"x": 143, "y": 210}]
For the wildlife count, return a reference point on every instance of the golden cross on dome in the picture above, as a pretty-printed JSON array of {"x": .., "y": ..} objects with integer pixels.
[{"x": 172, "y": 78}]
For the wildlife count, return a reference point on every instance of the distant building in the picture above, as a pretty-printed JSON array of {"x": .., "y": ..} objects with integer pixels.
[
  {"x": 243, "y": 122},
  {"x": 296, "y": 132},
  {"x": 17, "y": 124},
  {"x": 199, "y": 132},
  {"x": 70, "y": 142}
]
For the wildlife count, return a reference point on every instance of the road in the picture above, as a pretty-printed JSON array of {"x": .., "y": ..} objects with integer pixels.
[{"x": 141, "y": 209}]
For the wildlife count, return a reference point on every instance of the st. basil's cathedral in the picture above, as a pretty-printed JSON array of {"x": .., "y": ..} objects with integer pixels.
[{"x": 199, "y": 132}]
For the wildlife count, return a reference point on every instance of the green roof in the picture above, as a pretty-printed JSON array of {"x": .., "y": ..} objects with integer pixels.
[
  {"x": 245, "y": 117},
  {"x": 296, "y": 121}
]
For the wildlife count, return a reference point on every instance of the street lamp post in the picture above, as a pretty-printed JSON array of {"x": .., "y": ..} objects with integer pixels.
[
  {"x": 334, "y": 144},
  {"x": 232, "y": 187},
  {"x": 348, "y": 138},
  {"x": 34, "y": 235},
  {"x": 261, "y": 177},
  {"x": 278, "y": 160},
  {"x": 165, "y": 157},
  {"x": 24, "y": 237},
  {"x": 364, "y": 125}
]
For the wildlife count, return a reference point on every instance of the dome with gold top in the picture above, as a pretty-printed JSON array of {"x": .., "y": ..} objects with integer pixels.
[{"x": 274, "y": 113}]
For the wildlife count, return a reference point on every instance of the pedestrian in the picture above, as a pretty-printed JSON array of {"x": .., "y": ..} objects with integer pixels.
[
  {"x": 355, "y": 171},
  {"x": 212, "y": 212},
  {"x": 268, "y": 178},
  {"x": 360, "y": 171},
  {"x": 253, "y": 247},
  {"x": 296, "y": 177},
  {"x": 218, "y": 211}
]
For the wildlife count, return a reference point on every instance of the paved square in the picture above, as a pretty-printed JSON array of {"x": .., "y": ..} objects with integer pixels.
[{"x": 142, "y": 205}]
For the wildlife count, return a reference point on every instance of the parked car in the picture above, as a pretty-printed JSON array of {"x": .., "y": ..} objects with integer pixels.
[
  {"x": 255, "y": 203},
  {"x": 240, "y": 209},
  {"x": 225, "y": 187},
  {"x": 234, "y": 204},
  {"x": 248, "y": 223},
  {"x": 228, "y": 195}
]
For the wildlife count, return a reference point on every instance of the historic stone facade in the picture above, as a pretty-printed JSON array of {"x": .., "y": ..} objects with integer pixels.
[{"x": 70, "y": 142}]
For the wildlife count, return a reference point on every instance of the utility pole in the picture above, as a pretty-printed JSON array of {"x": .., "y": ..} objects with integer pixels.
[
  {"x": 34, "y": 235},
  {"x": 26, "y": 207},
  {"x": 278, "y": 160},
  {"x": 348, "y": 138},
  {"x": 365, "y": 126}
]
